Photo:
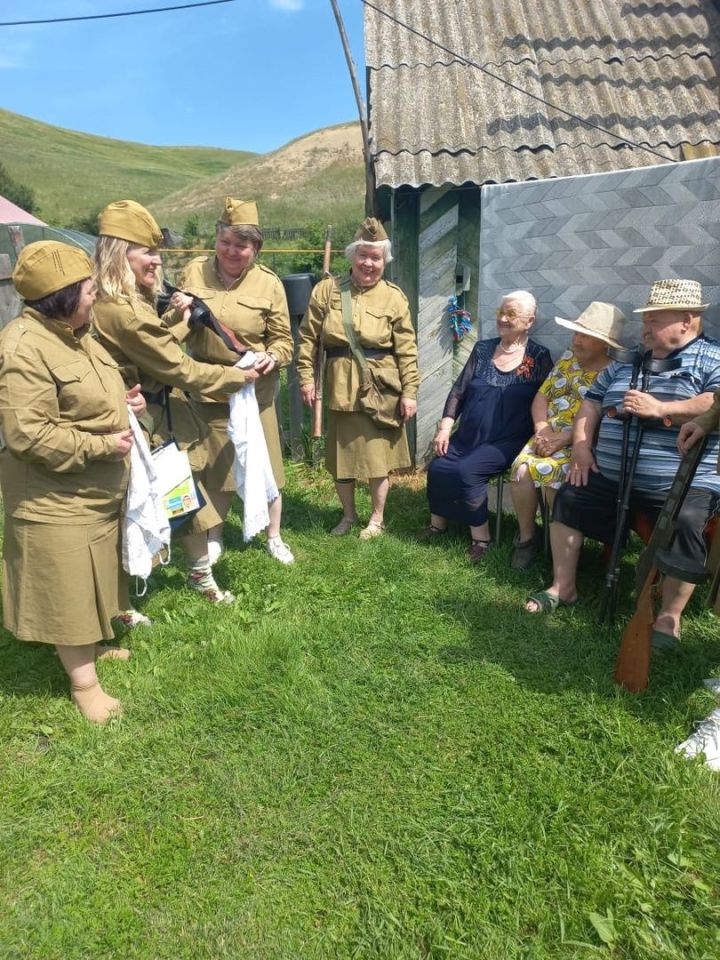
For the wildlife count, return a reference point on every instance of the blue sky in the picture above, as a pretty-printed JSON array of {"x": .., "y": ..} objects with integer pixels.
[{"x": 246, "y": 75}]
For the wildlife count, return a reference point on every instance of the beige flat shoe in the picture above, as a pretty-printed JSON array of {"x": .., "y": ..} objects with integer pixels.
[
  {"x": 372, "y": 530},
  {"x": 344, "y": 527}
]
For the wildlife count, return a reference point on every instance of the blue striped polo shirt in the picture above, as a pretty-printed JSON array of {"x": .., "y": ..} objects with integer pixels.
[{"x": 659, "y": 458}]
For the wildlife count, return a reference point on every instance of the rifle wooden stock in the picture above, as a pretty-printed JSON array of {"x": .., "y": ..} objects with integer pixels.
[
  {"x": 317, "y": 408},
  {"x": 633, "y": 663}
]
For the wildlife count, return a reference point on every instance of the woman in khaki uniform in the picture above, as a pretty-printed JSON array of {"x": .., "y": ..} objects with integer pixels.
[
  {"x": 64, "y": 470},
  {"x": 357, "y": 449},
  {"x": 249, "y": 300},
  {"x": 128, "y": 273}
]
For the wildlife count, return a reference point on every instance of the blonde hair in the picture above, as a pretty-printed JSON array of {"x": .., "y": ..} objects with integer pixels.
[{"x": 113, "y": 274}]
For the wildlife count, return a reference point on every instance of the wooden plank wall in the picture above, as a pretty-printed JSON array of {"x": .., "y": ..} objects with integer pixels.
[{"x": 437, "y": 260}]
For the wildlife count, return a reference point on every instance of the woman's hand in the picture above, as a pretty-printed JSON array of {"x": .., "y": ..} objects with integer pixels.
[
  {"x": 180, "y": 301},
  {"x": 441, "y": 441},
  {"x": 307, "y": 392},
  {"x": 582, "y": 464},
  {"x": 548, "y": 441},
  {"x": 408, "y": 408},
  {"x": 690, "y": 433},
  {"x": 264, "y": 363},
  {"x": 136, "y": 401},
  {"x": 123, "y": 444}
]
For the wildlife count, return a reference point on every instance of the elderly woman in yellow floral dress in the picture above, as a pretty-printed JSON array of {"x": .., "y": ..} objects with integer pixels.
[{"x": 544, "y": 461}]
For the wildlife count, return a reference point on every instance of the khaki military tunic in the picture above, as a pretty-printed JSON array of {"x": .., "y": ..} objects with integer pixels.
[
  {"x": 61, "y": 398},
  {"x": 356, "y": 447},
  {"x": 255, "y": 309},
  {"x": 149, "y": 354}
]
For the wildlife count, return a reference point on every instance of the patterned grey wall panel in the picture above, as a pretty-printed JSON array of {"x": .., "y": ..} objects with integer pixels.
[{"x": 600, "y": 237}]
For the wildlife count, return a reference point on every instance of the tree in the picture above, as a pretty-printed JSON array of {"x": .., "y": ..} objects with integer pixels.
[{"x": 18, "y": 193}]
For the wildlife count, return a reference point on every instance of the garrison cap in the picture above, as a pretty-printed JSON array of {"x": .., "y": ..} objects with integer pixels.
[
  {"x": 370, "y": 231},
  {"x": 128, "y": 220},
  {"x": 46, "y": 266},
  {"x": 240, "y": 212}
]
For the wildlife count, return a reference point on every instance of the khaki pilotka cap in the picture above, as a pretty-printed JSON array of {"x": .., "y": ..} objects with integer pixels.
[
  {"x": 46, "y": 266},
  {"x": 128, "y": 220},
  {"x": 240, "y": 213},
  {"x": 371, "y": 231}
]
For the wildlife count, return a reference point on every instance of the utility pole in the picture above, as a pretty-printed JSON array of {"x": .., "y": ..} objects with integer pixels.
[{"x": 362, "y": 112}]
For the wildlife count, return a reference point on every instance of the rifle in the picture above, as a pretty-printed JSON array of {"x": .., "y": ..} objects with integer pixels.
[
  {"x": 633, "y": 663},
  {"x": 200, "y": 316},
  {"x": 317, "y": 409},
  {"x": 648, "y": 365}
]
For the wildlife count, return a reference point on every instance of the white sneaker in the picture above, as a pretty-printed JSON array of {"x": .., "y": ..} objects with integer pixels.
[
  {"x": 132, "y": 618},
  {"x": 279, "y": 550},
  {"x": 215, "y": 551},
  {"x": 706, "y": 740}
]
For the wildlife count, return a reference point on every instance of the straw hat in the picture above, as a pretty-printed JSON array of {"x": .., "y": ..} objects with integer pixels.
[
  {"x": 240, "y": 213},
  {"x": 128, "y": 220},
  {"x": 600, "y": 320},
  {"x": 46, "y": 266},
  {"x": 675, "y": 295}
]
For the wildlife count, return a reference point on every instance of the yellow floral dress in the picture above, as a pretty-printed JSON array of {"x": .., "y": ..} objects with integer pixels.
[{"x": 565, "y": 388}]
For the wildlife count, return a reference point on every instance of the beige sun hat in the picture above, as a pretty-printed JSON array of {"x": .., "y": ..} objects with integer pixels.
[
  {"x": 600, "y": 320},
  {"x": 675, "y": 295}
]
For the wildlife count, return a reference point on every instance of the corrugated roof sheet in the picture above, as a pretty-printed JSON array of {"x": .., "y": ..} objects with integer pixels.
[{"x": 645, "y": 71}]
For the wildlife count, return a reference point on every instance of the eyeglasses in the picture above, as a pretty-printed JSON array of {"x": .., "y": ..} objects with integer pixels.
[{"x": 510, "y": 314}]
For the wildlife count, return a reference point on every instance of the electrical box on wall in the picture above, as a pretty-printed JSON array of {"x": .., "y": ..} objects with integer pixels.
[{"x": 463, "y": 275}]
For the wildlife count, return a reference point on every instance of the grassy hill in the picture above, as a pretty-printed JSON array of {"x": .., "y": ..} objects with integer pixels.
[
  {"x": 74, "y": 174},
  {"x": 316, "y": 177}
]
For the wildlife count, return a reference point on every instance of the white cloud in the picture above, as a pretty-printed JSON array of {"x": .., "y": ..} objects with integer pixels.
[{"x": 292, "y": 5}]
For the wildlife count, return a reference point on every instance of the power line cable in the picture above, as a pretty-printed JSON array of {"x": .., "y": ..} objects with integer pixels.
[
  {"x": 108, "y": 16},
  {"x": 514, "y": 86}
]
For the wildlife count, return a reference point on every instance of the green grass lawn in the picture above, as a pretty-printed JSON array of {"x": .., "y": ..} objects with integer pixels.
[{"x": 373, "y": 754}]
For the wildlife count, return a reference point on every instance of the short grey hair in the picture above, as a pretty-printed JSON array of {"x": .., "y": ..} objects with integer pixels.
[
  {"x": 352, "y": 248},
  {"x": 525, "y": 298}
]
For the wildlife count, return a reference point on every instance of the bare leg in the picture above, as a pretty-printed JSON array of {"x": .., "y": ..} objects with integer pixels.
[
  {"x": 525, "y": 501},
  {"x": 566, "y": 543},
  {"x": 275, "y": 512},
  {"x": 440, "y": 523},
  {"x": 195, "y": 546},
  {"x": 85, "y": 691},
  {"x": 480, "y": 533},
  {"x": 346, "y": 496},
  {"x": 379, "y": 487},
  {"x": 675, "y": 597}
]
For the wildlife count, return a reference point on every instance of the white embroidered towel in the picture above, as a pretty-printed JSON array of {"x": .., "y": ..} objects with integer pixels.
[
  {"x": 253, "y": 473},
  {"x": 146, "y": 530}
]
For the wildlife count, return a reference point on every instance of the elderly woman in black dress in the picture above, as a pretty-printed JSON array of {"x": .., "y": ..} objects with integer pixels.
[{"x": 491, "y": 399}]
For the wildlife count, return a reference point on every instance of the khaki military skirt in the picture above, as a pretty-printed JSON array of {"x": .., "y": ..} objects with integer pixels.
[
  {"x": 357, "y": 449},
  {"x": 63, "y": 583},
  {"x": 220, "y": 452}
]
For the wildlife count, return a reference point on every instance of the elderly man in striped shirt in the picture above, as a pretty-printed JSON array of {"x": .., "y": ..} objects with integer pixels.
[{"x": 587, "y": 504}]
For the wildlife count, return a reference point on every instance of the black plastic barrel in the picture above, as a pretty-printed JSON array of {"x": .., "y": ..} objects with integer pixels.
[{"x": 298, "y": 287}]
